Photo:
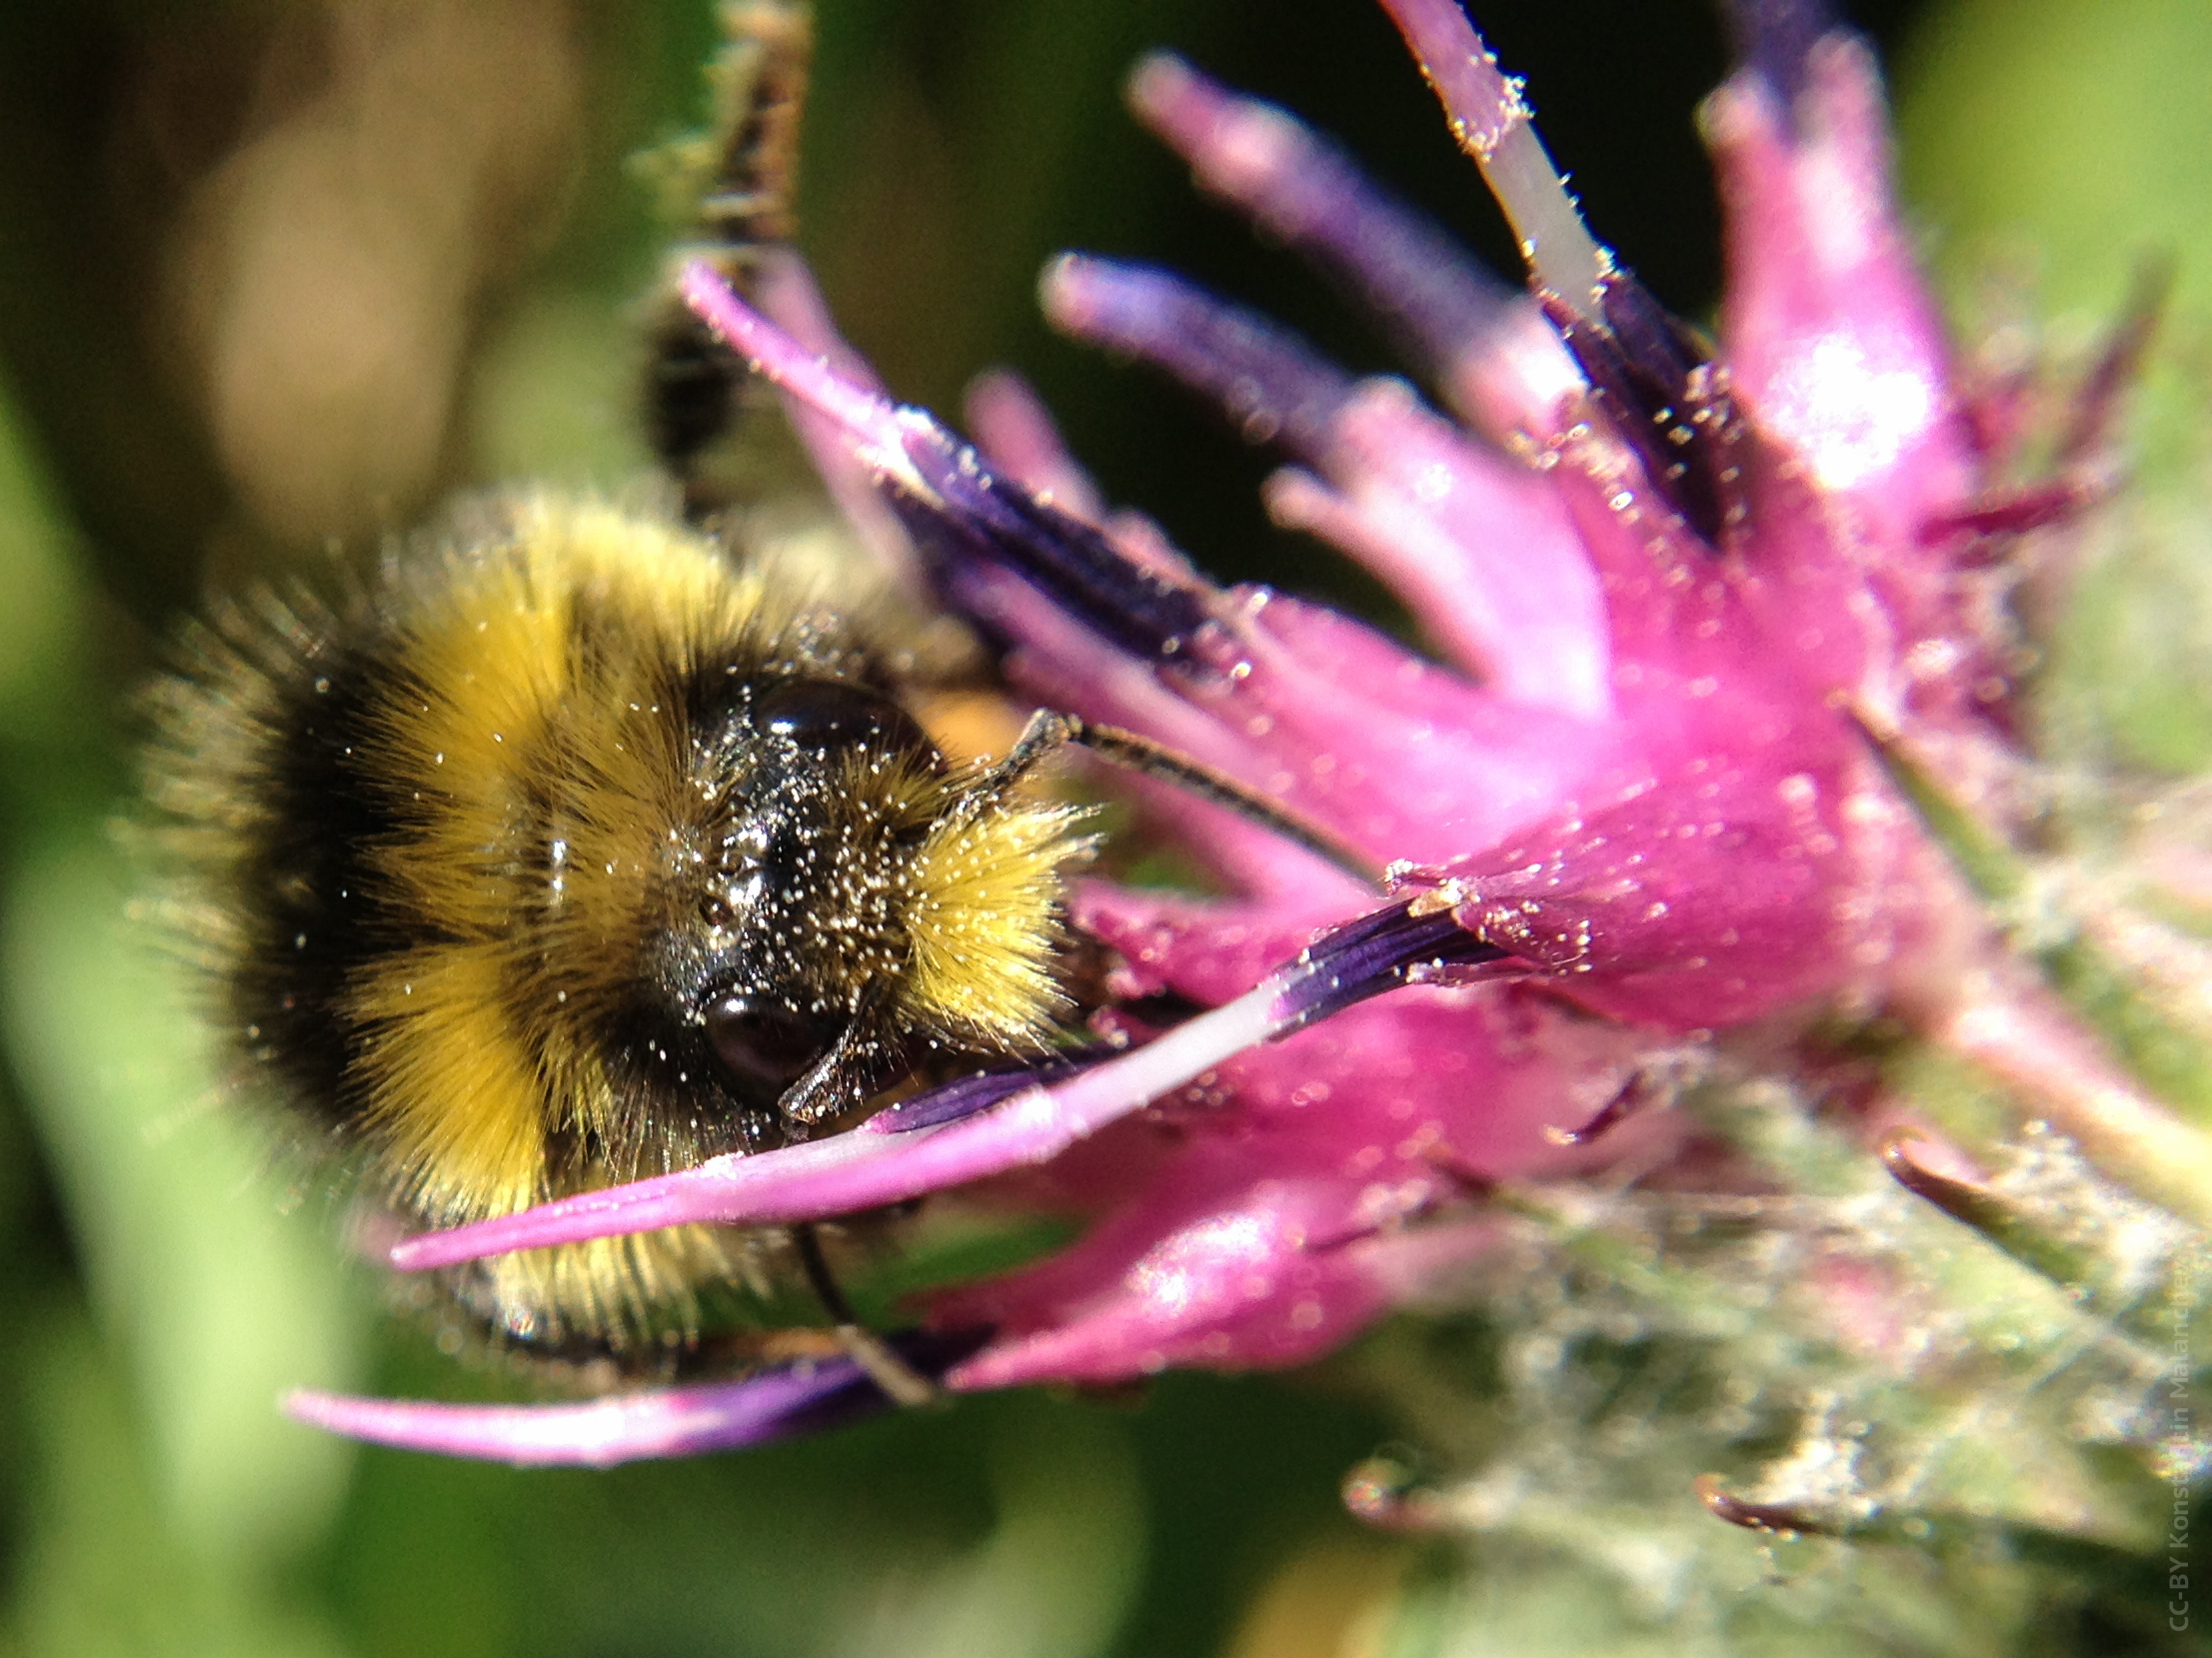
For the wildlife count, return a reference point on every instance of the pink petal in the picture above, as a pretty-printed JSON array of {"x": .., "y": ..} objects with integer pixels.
[
  {"x": 1492, "y": 125},
  {"x": 1476, "y": 546},
  {"x": 624, "y": 1427},
  {"x": 1458, "y": 322},
  {"x": 1831, "y": 331},
  {"x": 1014, "y": 429},
  {"x": 1471, "y": 539},
  {"x": 883, "y": 1162}
]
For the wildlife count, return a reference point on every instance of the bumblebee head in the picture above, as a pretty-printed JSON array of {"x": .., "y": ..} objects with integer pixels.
[{"x": 786, "y": 964}]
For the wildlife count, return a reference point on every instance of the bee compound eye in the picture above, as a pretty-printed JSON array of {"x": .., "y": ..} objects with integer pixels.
[
  {"x": 758, "y": 1041},
  {"x": 829, "y": 713}
]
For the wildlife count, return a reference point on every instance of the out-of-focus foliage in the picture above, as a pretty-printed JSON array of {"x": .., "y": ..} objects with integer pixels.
[
  {"x": 279, "y": 271},
  {"x": 2056, "y": 148}
]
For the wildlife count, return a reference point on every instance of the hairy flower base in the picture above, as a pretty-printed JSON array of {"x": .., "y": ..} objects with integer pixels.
[{"x": 1683, "y": 813}]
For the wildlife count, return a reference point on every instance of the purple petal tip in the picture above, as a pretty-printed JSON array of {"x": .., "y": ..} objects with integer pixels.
[
  {"x": 1775, "y": 38},
  {"x": 798, "y": 1397}
]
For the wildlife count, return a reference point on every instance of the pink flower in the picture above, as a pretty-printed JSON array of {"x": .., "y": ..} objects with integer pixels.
[{"x": 1635, "y": 806}]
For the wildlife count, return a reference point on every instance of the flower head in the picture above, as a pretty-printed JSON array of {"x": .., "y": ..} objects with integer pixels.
[{"x": 1722, "y": 683}]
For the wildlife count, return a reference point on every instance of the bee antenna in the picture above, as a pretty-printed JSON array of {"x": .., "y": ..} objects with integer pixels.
[{"x": 1046, "y": 732}]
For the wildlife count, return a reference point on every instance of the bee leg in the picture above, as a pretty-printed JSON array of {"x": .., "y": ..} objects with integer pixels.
[
  {"x": 849, "y": 1072},
  {"x": 1045, "y": 735},
  {"x": 900, "y": 1381}
]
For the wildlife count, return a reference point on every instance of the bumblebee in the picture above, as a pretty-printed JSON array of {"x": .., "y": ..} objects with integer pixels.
[
  {"x": 571, "y": 852},
  {"x": 574, "y": 845}
]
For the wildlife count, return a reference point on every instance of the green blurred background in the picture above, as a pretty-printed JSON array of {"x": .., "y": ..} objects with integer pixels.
[{"x": 279, "y": 273}]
